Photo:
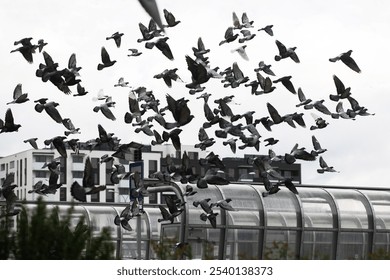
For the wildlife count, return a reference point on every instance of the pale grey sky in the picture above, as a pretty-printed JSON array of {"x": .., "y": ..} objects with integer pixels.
[{"x": 319, "y": 29}]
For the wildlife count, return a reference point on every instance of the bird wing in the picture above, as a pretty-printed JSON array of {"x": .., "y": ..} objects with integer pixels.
[
  {"x": 9, "y": 118},
  {"x": 9, "y": 179},
  {"x": 316, "y": 143},
  {"x": 164, "y": 212},
  {"x": 105, "y": 56},
  {"x": 53, "y": 113},
  {"x": 68, "y": 124},
  {"x": 17, "y": 91},
  {"x": 323, "y": 164},
  {"x": 151, "y": 8},
  {"x": 236, "y": 21},
  {"x": 163, "y": 46},
  {"x": 72, "y": 63},
  {"x": 88, "y": 180},
  {"x": 276, "y": 118},
  {"x": 350, "y": 62},
  {"x": 282, "y": 48},
  {"x": 78, "y": 192},
  {"x": 107, "y": 113}
]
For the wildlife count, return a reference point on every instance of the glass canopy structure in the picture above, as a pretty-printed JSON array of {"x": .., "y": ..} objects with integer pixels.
[{"x": 318, "y": 223}]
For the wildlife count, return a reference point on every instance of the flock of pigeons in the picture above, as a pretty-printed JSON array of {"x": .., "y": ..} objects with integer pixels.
[{"x": 146, "y": 112}]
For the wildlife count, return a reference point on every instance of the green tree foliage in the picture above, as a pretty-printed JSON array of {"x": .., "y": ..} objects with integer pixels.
[{"x": 46, "y": 235}]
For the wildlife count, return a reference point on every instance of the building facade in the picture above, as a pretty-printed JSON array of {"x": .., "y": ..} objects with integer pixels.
[{"x": 29, "y": 168}]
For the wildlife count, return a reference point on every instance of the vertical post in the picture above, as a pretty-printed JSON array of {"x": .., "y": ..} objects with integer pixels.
[{"x": 139, "y": 236}]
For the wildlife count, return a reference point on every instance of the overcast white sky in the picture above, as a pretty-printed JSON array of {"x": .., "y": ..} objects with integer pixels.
[{"x": 319, "y": 29}]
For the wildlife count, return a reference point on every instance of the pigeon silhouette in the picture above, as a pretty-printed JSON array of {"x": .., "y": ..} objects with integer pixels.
[
  {"x": 106, "y": 61},
  {"x": 347, "y": 60},
  {"x": 80, "y": 192}
]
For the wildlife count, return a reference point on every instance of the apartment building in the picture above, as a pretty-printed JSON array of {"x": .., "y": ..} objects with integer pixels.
[{"x": 28, "y": 167}]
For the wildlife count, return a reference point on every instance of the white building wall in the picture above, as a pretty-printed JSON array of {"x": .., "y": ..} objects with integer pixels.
[{"x": 32, "y": 170}]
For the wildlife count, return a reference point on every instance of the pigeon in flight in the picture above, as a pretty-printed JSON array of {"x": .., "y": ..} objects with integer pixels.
[
  {"x": 106, "y": 61},
  {"x": 286, "y": 52},
  {"x": 104, "y": 108},
  {"x": 286, "y": 81},
  {"x": 229, "y": 36},
  {"x": 41, "y": 44},
  {"x": 50, "y": 109},
  {"x": 80, "y": 192},
  {"x": 134, "y": 52},
  {"x": 268, "y": 30},
  {"x": 324, "y": 167},
  {"x": 170, "y": 19},
  {"x": 58, "y": 143},
  {"x": 266, "y": 68},
  {"x": 162, "y": 45},
  {"x": 224, "y": 204},
  {"x": 342, "y": 92},
  {"x": 7, "y": 191},
  {"x": 347, "y": 60},
  {"x": 19, "y": 96},
  {"x": 117, "y": 37},
  {"x": 8, "y": 125},
  {"x": 32, "y": 142},
  {"x": 27, "y": 49},
  {"x": 122, "y": 83}
]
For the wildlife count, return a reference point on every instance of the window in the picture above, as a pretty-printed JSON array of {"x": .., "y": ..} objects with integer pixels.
[
  {"x": 95, "y": 197},
  {"x": 231, "y": 173},
  {"x": 193, "y": 155},
  {"x": 25, "y": 171},
  {"x": 108, "y": 173},
  {"x": 2, "y": 167},
  {"x": 77, "y": 174},
  {"x": 153, "y": 198},
  {"x": 43, "y": 158},
  {"x": 63, "y": 170},
  {"x": 41, "y": 174},
  {"x": 95, "y": 170},
  {"x": 152, "y": 166},
  {"x": 124, "y": 191},
  {"x": 62, "y": 194},
  {"x": 12, "y": 165},
  {"x": 77, "y": 159},
  {"x": 110, "y": 195},
  {"x": 21, "y": 172}
]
